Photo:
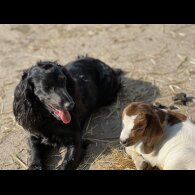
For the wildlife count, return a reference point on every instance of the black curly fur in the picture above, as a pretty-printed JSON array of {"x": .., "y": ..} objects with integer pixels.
[{"x": 86, "y": 83}]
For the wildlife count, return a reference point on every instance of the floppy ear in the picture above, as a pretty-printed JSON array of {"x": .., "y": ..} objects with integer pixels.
[
  {"x": 25, "y": 87},
  {"x": 140, "y": 124},
  {"x": 23, "y": 99},
  {"x": 152, "y": 133}
]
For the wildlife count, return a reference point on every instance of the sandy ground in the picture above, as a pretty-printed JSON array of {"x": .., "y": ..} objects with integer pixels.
[{"x": 159, "y": 61}]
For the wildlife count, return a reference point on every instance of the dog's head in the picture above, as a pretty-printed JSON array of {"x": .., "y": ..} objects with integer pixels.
[
  {"x": 51, "y": 84},
  {"x": 141, "y": 123}
]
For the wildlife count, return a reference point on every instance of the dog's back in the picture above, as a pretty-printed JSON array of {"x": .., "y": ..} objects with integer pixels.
[{"x": 97, "y": 82}]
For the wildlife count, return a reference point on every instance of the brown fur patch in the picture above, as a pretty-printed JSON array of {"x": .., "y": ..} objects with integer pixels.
[
  {"x": 135, "y": 108},
  {"x": 147, "y": 125},
  {"x": 131, "y": 109},
  {"x": 175, "y": 117},
  {"x": 161, "y": 115}
]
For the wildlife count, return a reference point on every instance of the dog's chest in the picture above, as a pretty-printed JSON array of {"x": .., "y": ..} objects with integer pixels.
[{"x": 51, "y": 142}]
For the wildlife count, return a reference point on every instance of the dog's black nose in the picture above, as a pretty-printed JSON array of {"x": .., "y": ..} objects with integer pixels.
[{"x": 69, "y": 105}]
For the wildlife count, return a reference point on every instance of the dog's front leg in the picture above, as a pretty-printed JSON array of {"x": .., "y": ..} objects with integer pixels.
[
  {"x": 72, "y": 157},
  {"x": 38, "y": 151}
]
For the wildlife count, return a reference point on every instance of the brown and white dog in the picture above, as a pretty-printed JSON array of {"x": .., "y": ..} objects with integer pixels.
[{"x": 157, "y": 137}]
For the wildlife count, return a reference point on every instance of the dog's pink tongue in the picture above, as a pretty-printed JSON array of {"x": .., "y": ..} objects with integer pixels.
[{"x": 64, "y": 116}]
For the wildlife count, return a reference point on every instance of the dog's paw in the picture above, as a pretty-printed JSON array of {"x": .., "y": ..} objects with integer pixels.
[{"x": 35, "y": 167}]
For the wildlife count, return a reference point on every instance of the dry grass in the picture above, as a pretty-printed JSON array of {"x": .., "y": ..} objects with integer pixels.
[
  {"x": 19, "y": 161},
  {"x": 122, "y": 161},
  {"x": 118, "y": 160}
]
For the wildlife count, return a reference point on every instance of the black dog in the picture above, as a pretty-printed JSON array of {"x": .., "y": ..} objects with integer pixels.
[{"x": 53, "y": 102}]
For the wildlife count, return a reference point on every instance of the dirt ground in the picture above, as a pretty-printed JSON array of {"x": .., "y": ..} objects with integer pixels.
[{"x": 159, "y": 61}]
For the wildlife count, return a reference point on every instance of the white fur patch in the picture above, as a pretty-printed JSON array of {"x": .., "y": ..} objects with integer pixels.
[{"x": 128, "y": 123}]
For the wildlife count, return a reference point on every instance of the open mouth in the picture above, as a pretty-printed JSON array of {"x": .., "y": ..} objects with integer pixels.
[{"x": 64, "y": 116}]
